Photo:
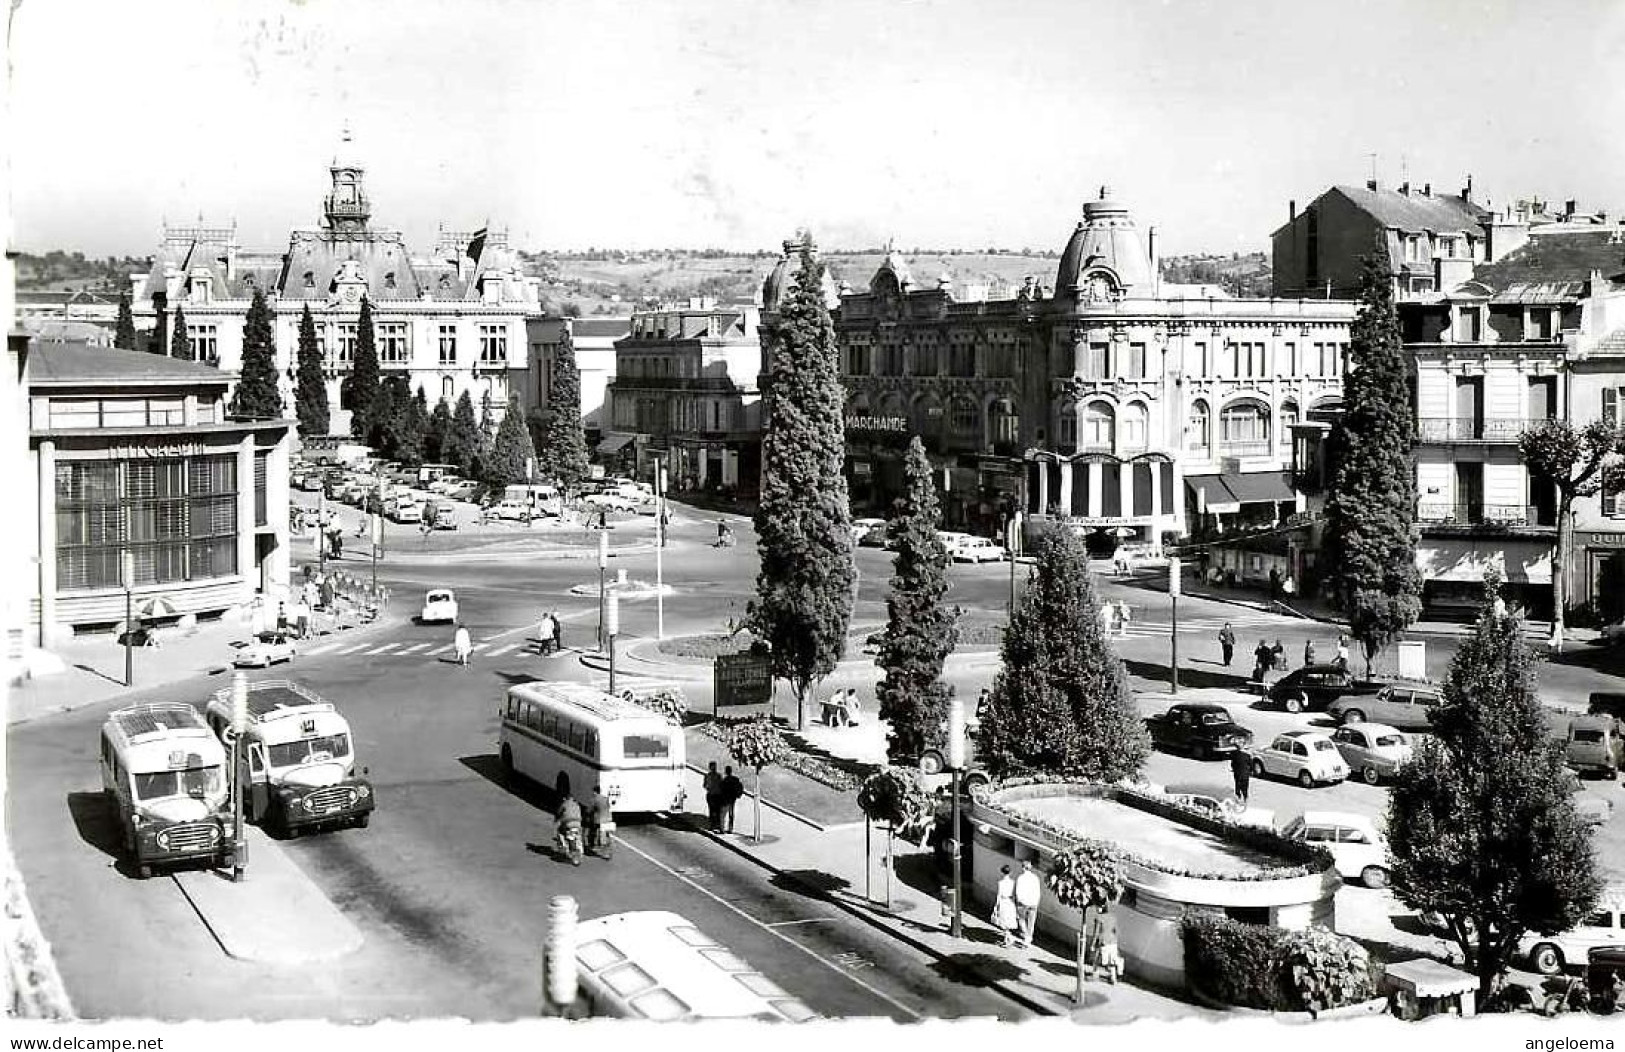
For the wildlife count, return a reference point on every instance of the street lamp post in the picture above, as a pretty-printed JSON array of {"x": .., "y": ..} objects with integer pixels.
[
  {"x": 377, "y": 531},
  {"x": 1173, "y": 625},
  {"x": 603, "y": 568},
  {"x": 239, "y": 723},
  {"x": 612, "y": 628},
  {"x": 660, "y": 548},
  {"x": 956, "y": 762},
  {"x": 530, "y": 494},
  {"x": 321, "y": 531},
  {"x": 127, "y": 573}
]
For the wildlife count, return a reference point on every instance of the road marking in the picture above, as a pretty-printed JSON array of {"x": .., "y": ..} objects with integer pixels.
[
  {"x": 501, "y": 650},
  {"x": 352, "y": 650},
  {"x": 804, "y": 920},
  {"x": 386, "y": 648},
  {"x": 853, "y": 959},
  {"x": 708, "y": 893},
  {"x": 321, "y": 650},
  {"x": 416, "y": 646}
]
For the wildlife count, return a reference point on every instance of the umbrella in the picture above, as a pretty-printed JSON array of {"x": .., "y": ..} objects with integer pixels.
[
  {"x": 1124, "y": 531},
  {"x": 157, "y": 606}
]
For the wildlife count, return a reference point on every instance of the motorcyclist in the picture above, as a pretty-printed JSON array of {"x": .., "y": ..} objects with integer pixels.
[
  {"x": 600, "y": 822},
  {"x": 569, "y": 830}
]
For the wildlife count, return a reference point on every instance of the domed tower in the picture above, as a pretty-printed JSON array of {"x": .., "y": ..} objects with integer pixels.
[
  {"x": 778, "y": 280},
  {"x": 1105, "y": 258},
  {"x": 347, "y": 204}
]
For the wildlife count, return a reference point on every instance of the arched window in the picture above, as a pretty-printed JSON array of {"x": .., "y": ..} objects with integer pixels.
[
  {"x": 892, "y": 405},
  {"x": 1066, "y": 427},
  {"x": 964, "y": 418},
  {"x": 1099, "y": 426},
  {"x": 1244, "y": 427},
  {"x": 446, "y": 389},
  {"x": 1006, "y": 423},
  {"x": 1200, "y": 433},
  {"x": 1289, "y": 418},
  {"x": 928, "y": 416},
  {"x": 1134, "y": 427}
]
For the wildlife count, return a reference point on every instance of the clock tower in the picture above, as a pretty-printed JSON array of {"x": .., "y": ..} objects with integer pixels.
[{"x": 347, "y": 205}]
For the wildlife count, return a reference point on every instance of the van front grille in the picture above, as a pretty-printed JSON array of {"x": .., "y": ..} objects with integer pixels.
[{"x": 190, "y": 836}]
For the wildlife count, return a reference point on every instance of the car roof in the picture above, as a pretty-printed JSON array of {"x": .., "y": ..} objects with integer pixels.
[
  {"x": 1199, "y": 706},
  {"x": 1338, "y": 818},
  {"x": 1375, "y": 728}
]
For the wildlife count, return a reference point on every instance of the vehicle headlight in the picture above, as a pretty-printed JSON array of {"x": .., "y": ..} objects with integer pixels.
[{"x": 363, "y": 791}]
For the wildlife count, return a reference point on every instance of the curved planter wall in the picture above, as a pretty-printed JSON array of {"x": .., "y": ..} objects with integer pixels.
[{"x": 1148, "y": 916}]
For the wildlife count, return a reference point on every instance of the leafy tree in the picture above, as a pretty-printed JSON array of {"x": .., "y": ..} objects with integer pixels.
[
  {"x": 564, "y": 443},
  {"x": 1482, "y": 826},
  {"x": 437, "y": 434},
  {"x": 388, "y": 417},
  {"x": 506, "y": 466},
  {"x": 1575, "y": 461},
  {"x": 1089, "y": 874},
  {"x": 310, "y": 391},
  {"x": 257, "y": 396},
  {"x": 413, "y": 426},
  {"x": 1061, "y": 702},
  {"x": 920, "y": 631},
  {"x": 892, "y": 797},
  {"x": 803, "y": 522},
  {"x": 180, "y": 343},
  {"x": 124, "y": 331},
  {"x": 462, "y": 441},
  {"x": 484, "y": 441},
  {"x": 364, "y": 376},
  {"x": 756, "y": 744},
  {"x": 1370, "y": 536}
]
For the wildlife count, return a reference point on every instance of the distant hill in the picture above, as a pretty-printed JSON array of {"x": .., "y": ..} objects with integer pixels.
[
  {"x": 58, "y": 271},
  {"x": 1243, "y": 274}
]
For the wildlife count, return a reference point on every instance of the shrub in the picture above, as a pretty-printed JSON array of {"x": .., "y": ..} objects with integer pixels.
[
  {"x": 1090, "y": 874},
  {"x": 1261, "y": 966}
]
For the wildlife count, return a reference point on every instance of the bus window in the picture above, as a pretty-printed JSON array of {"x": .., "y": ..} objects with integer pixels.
[
  {"x": 311, "y": 750},
  {"x": 513, "y": 708},
  {"x": 627, "y": 979},
  {"x": 193, "y": 781},
  {"x": 575, "y": 739},
  {"x": 646, "y": 747},
  {"x": 660, "y": 1005},
  {"x": 533, "y": 716},
  {"x": 550, "y": 725},
  {"x": 598, "y": 954},
  {"x": 590, "y": 745}
]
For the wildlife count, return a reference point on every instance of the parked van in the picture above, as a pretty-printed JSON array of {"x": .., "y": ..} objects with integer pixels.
[
  {"x": 1594, "y": 744},
  {"x": 166, "y": 775}
]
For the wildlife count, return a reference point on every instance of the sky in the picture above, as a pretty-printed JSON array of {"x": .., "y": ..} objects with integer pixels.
[{"x": 731, "y": 123}]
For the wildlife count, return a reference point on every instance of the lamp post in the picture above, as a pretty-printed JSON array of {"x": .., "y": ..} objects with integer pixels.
[
  {"x": 603, "y": 568},
  {"x": 660, "y": 548},
  {"x": 321, "y": 531},
  {"x": 612, "y": 628},
  {"x": 127, "y": 575},
  {"x": 239, "y": 723},
  {"x": 530, "y": 494},
  {"x": 377, "y": 531},
  {"x": 956, "y": 763},
  {"x": 1173, "y": 625}
]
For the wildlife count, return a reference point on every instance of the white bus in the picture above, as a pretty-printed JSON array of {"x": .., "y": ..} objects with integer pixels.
[
  {"x": 651, "y": 964},
  {"x": 166, "y": 774},
  {"x": 572, "y": 736}
]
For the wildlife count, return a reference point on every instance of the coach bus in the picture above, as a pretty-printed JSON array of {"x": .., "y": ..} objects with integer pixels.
[
  {"x": 572, "y": 736},
  {"x": 165, "y": 773},
  {"x": 655, "y": 965}
]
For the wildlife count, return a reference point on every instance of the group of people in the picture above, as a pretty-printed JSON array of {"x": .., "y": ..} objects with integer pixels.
[
  {"x": 586, "y": 829},
  {"x": 1115, "y": 618},
  {"x": 1015, "y": 913},
  {"x": 722, "y": 792},
  {"x": 549, "y": 633},
  {"x": 1272, "y": 658},
  {"x": 840, "y": 709}
]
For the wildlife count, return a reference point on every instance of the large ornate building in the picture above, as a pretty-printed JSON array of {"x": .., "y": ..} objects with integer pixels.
[
  {"x": 1112, "y": 401},
  {"x": 450, "y": 322}
]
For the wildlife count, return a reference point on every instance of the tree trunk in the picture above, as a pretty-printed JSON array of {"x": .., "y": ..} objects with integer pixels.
[
  {"x": 757, "y": 836},
  {"x": 868, "y": 861},
  {"x": 891, "y": 830},
  {"x": 1077, "y": 991},
  {"x": 1560, "y": 562}
]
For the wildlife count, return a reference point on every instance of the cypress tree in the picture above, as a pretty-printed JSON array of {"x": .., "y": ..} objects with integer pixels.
[
  {"x": 462, "y": 441},
  {"x": 484, "y": 439},
  {"x": 436, "y": 434},
  {"x": 310, "y": 394},
  {"x": 1482, "y": 827},
  {"x": 803, "y": 601},
  {"x": 1370, "y": 536},
  {"x": 180, "y": 344},
  {"x": 364, "y": 384},
  {"x": 1060, "y": 703},
  {"x": 564, "y": 444},
  {"x": 506, "y": 465},
  {"x": 124, "y": 331},
  {"x": 920, "y": 631},
  {"x": 257, "y": 396},
  {"x": 414, "y": 427}
]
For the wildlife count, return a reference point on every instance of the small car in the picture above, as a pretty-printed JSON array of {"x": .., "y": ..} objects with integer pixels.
[
  {"x": 1307, "y": 757},
  {"x": 267, "y": 649},
  {"x": 464, "y": 490},
  {"x": 1594, "y": 745},
  {"x": 1374, "y": 751},
  {"x": 977, "y": 550},
  {"x": 1217, "y": 803},
  {"x": 515, "y": 510},
  {"x": 1203, "y": 730},
  {"x": 609, "y": 502},
  {"x": 952, "y": 539},
  {"x": 1404, "y": 706},
  {"x": 1358, "y": 849},
  {"x": 875, "y": 538},
  {"x": 445, "y": 517},
  {"x": 1317, "y": 687},
  {"x": 1550, "y": 954},
  {"x": 861, "y": 528},
  {"x": 439, "y": 606},
  {"x": 407, "y": 511}
]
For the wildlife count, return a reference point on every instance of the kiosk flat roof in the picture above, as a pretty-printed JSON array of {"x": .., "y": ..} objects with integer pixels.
[{"x": 1148, "y": 835}]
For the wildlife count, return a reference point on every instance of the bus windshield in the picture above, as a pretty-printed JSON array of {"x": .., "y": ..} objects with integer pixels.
[
  {"x": 310, "y": 750},
  {"x": 191, "y": 781},
  {"x": 646, "y": 746}
]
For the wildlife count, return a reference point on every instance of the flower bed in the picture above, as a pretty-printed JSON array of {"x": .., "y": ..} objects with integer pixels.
[
  {"x": 794, "y": 760},
  {"x": 706, "y": 647}
]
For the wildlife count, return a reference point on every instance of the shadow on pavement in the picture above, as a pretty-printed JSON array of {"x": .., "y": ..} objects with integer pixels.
[
  {"x": 976, "y": 969},
  {"x": 97, "y": 822},
  {"x": 1597, "y": 658},
  {"x": 1188, "y": 677},
  {"x": 98, "y": 672},
  {"x": 489, "y": 767},
  {"x": 814, "y": 883}
]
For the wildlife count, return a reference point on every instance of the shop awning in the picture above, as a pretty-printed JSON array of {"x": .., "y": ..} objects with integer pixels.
[
  {"x": 612, "y": 443},
  {"x": 1262, "y": 487},
  {"x": 1211, "y": 495}
]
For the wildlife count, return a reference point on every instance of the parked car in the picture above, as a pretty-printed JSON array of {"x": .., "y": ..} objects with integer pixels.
[
  {"x": 861, "y": 528},
  {"x": 1374, "y": 751},
  {"x": 609, "y": 502},
  {"x": 445, "y": 517},
  {"x": 1550, "y": 954},
  {"x": 407, "y": 510},
  {"x": 875, "y": 538},
  {"x": 1306, "y": 757},
  {"x": 952, "y": 539},
  {"x": 464, "y": 490},
  {"x": 1594, "y": 745},
  {"x": 1358, "y": 849},
  {"x": 1315, "y": 687},
  {"x": 439, "y": 606},
  {"x": 1216, "y": 803},
  {"x": 1201, "y": 730},
  {"x": 977, "y": 550},
  {"x": 442, "y": 486},
  {"x": 267, "y": 649},
  {"x": 1404, "y": 706}
]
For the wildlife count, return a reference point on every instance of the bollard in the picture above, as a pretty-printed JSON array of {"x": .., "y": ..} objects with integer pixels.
[{"x": 560, "y": 990}]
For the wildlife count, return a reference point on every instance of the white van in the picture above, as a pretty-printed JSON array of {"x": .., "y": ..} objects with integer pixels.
[{"x": 166, "y": 775}]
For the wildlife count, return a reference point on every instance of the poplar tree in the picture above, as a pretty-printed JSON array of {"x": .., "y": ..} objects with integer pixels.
[
  {"x": 1370, "y": 536},
  {"x": 438, "y": 432},
  {"x": 920, "y": 631},
  {"x": 180, "y": 343},
  {"x": 310, "y": 391},
  {"x": 124, "y": 331},
  {"x": 257, "y": 396},
  {"x": 1482, "y": 826},
  {"x": 462, "y": 441},
  {"x": 1060, "y": 703},
  {"x": 564, "y": 441},
  {"x": 412, "y": 428},
  {"x": 364, "y": 376},
  {"x": 803, "y": 522}
]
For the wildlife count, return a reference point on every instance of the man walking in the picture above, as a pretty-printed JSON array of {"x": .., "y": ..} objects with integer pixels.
[
  {"x": 600, "y": 820},
  {"x": 462, "y": 644},
  {"x": 732, "y": 790},
  {"x": 1028, "y": 890},
  {"x": 713, "y": 797},
  {"x": 545, "y": 633},
  {"x": 1227, "y": 643},
  {"x": 1241, "y": 773}
]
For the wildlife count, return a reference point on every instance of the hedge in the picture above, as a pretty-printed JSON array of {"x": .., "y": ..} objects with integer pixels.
[{"x": 1262, "y": 966}]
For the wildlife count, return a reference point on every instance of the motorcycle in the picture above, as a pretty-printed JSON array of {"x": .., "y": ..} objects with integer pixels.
[{"x": 568, "y": 840}]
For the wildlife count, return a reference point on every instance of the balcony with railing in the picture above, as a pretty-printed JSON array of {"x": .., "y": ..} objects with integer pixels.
[
  {"x": 1485, "y": 516},
  {"x": 1471, "y": 429},
  {"x": 1261, "y": 448}
]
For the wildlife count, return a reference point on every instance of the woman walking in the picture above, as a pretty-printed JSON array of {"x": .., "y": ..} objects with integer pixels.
[
  {"x": 1004, "y": 907},
  {"x": 462, "y": 644}
]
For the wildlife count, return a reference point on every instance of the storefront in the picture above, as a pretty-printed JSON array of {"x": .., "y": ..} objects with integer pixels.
[
  {"x": 132, "y": 455},
  {"x": 1453, "y": 569}
]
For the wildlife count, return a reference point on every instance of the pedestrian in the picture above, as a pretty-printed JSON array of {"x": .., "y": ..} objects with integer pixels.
[
  {"x": 722, "y": 530},
  {"x": 1123, "y": 617},
  {"x": 1100, "y": 943},
  {"x": 1028, "y": 890},
  {"x": 1241, "y": 773},
  {"x": 1263, "y": 658},
  {"x": 568, "y": 831},
  {"x": 462, "y": 644},
  {"x": 732, "y": 790},
  {"x": 1278, "y": 656},
  {"x": 1004, "y": 907},
  {"x": 1227, "y": 643},
  {"x": 1309, "y": 652},
  {"x": 600, "y": 818},
  {"x": 1289, "y": 587},
  {"x": 544, "y": 634},
  {"x": 849, "y": 708},
  {"x": 713, "y": 797},
  {"x": 1343, "y": 653},
  {"x": 983, "y": 700},
  {"x": 603, "y": 518},
  {"x": 1275, "y": 582}
]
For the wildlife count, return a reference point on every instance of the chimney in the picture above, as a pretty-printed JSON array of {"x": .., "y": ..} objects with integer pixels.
[
  {"x": 1291, "y": 211},
  {"x": 1427, "y": 189},
  {"x": 1467, "y": 191},
  {"x": 1371, "y": 184},
  {"x": 1405, "y": 188},
  {"x": 1569, "y": 207}
]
